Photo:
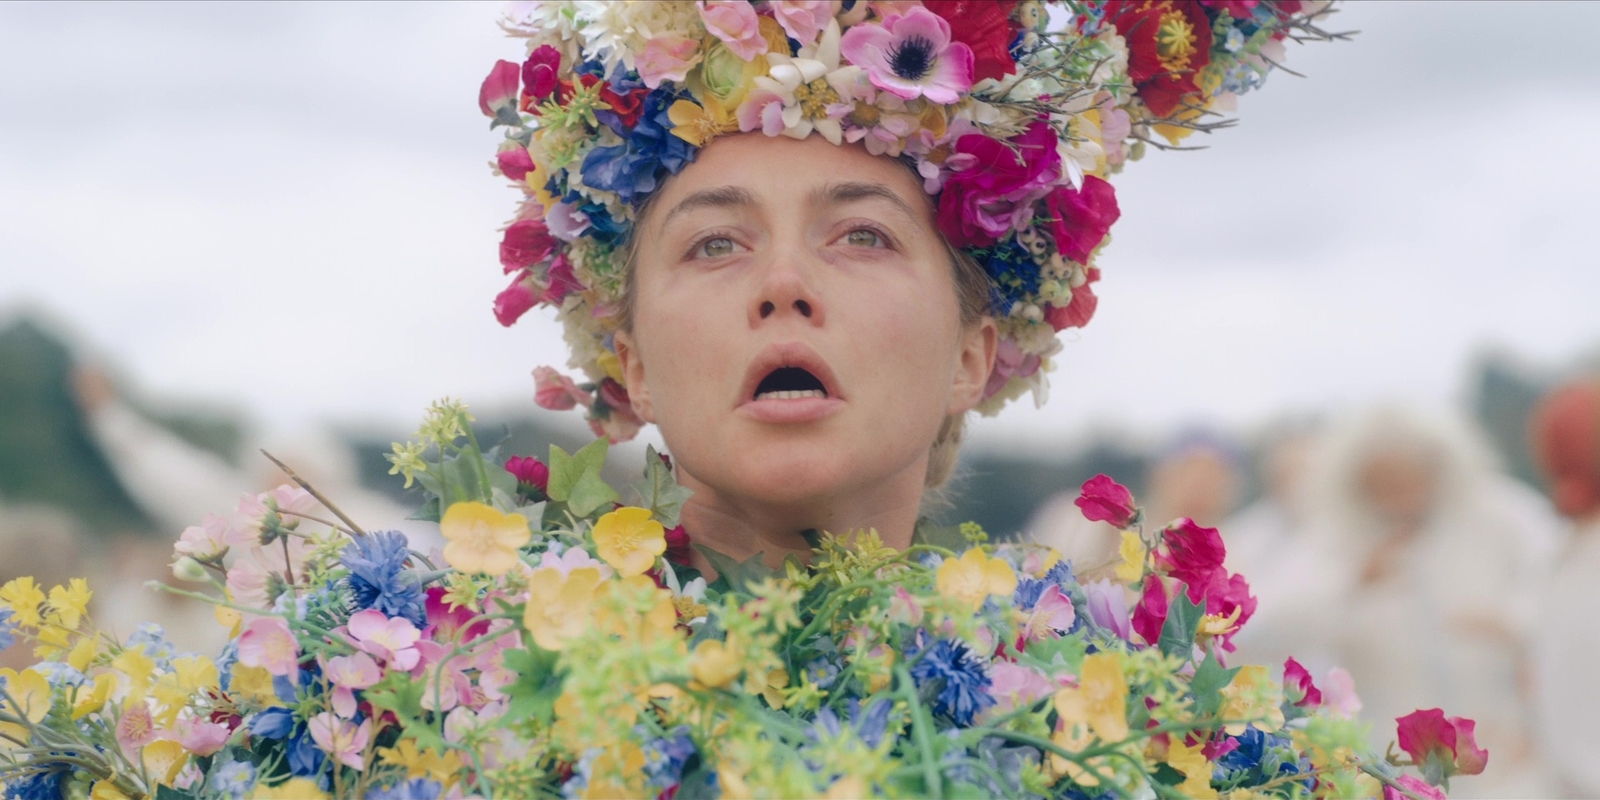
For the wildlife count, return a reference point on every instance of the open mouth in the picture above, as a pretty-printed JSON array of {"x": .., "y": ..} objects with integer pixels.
[{"x": 790, "y": 383}]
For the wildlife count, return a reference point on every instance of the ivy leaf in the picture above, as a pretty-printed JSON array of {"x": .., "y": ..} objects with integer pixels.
[
  {"x": 537, "y": 687},
  {"x": 735, "y": 576},
  {"x": 1183, "y": 619},
  {"x": 575, "y": 479},
  {"x": 1208, "y": 682},
  {"x": 400, "y": 693},
  {"x": 466, "y": 477},
  {"x": 1053, "y": 655},
  {"x": 659, "y": 491}
]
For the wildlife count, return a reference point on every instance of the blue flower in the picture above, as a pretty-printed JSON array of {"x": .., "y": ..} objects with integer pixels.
[
  {"x": 1061, "y": 575},
  {"x": 666, "y": 757},
  {"x": 959, "y": 678},
  {"x": 1257, "y": 758},
  {"x": 225, "y": 662},
  {"x": 273, "y": 723},
  {"x": 7, "y": 632},
  {"x": 414, "y": 789},
  {"x": 635, "y": 168},
  {"x": 233, "y": 779},
  {"x": 1014, "y": 273},
  {"x": 59, "y": 674},
  {"x": 870, "y": 726},
  {"x": 305, "y": 759},
  {"x": 822, "y": 672},
  {"x": 378, "y": 577},
  {"x": 1028, "y": 591},
  {"x": 38, "y": 786},
  {"x": 151, "y": 639}
]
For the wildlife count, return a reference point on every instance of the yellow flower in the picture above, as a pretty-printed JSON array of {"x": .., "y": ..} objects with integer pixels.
[
  {"x": 190, "y": 675},
  {"x": 292, "y": 789},
  {"x": 617, "y": 773},
  {"x": 777, "y": 681},
  {"x": 482, "y": 539},
  {"x": 1253, "y": 699},
  {"x": 1075, "y": 737},
  {"x": 560, "y": 607},
  {"x": 629, "y": 540},
  {"x": 254, "y": 684},
  {"x": 847, "y": 788},
  {"x": 164, "y": 759},
  {"x": 698, "y": 124},
  {"x": 106, "y": 790},
  {"x": 1189, "y": 760},
  {"x": 137, "y": 667},
  {"x": 53, "y": 639},
  {"x": 1132, "y": 551},
  {"x": 29, "y": 691},
  {"x": 715, "y": 664},
  {"x": 420, "y": 762},
  {"x": 91, "y": 700},
  {"x": 71, "y": 602},
  {"x": 974, "y": 576},
  {"x": 1100, "y": 699},
  {"x": 83, "y": 653},
  {"x": 23, "y": 598},
  {"x": 611, "y": 366}
]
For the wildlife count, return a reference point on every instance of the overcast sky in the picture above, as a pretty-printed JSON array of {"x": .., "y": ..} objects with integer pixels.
[{"x": 288, "y": 208}]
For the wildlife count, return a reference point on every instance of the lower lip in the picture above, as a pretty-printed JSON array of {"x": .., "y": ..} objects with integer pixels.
[{"x": 790, "y": 412}]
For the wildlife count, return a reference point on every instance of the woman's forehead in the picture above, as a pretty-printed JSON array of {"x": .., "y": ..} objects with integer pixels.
[{"x": 754, "y": 169}]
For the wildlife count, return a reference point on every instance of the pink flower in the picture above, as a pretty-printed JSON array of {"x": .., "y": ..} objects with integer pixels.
[
  {"x": 993, "y": 188},
  {"x": 1104, "y": 500},
  {"x": 1151, "y": 614},
  {"x": 286, "y": 499},
  {"x": 1191, "y": 554},
  {"x": 613, "y": 415},
  {"x": 1051, "y": 616},
  {"x": 214, "y": 535},
  {"x": 514, "y": 162},
  {"x": 1080, "y": 218},
  {"x": 529, "y": 470},
  {"x": 525, "y": 243},
  {"x": 447, "y": 622},
  {"x": 1416, "y": 786},
  {"x": 1339, "y": 693},
  {"x": 393, "y": 640},
  {"x": 499, "y": 90},
  {"x": 736, "y": 24},
  {"x": 763, "y": 110},
  {"x": 539, "y": 72},
  {"x": 667, "y": 58},
  {"x": 1298, "y": 687},
  {"x": 1442, "y": 746},
  {"x": 1080, "y": 309},
  {"x": 557, "y": 392},
  {"x": 268, "y": 643},
  {"x": 1225, "y": 595},
  {"x": 904, "y": 609},
  {"x": 135, "y": 729},
  {"x": 347, "y": 674},
  {"x": 1010, "y": 362},
  {"x": 1108, "y": 608},
  {"x": 562, "y": 281},
  {"x": 247, "y": 583},
  {"x": 803, "y": 20},
  {"x": 1013, "y": 685},
  {"x": 566, "y": 223},
  {"x": 341, "y": 739},
  {"x": 573, "y": 558},
  {"x": 202, "y": 737},
  {"x": 515, "y": 300},
  {"x": 911, "y": 56}
]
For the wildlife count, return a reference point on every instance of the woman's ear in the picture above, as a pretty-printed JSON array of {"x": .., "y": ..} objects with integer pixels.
[
  {"x": 975, "y": 361},
  {"x": 633, "y": 374}
]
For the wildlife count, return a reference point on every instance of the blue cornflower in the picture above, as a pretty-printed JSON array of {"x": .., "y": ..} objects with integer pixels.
[
  {"x": 959, "y": 678},
  {"x": 37, "y": 786},
  {"x": 1014, "y": 271},
  {"x": 635, "y": 168},
  {"x": 666, "y": 757},
  {"x": 1028, "y": 591},
  {"x": 870, "y": 726},
  {"x": 379, "y": 579},
  {"x": 59, "y": 674},
  {"x": 1061, "y": 575},
  {"x": 7, "y": 632},
  {"x": 414, "y": 789},
  {"x": 1259, "y": 757},
  {"x": 233, "y": 779}
]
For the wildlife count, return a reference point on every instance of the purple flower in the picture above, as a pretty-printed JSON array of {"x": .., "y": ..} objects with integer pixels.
[
  {"x": 378, "y": 577},
  {"x": 665, "y": 758},
  {"x": 911, "y": 56},
  {"x": 962, "y": 684},
  {"x": 414, "y": 789},
  {"x": 1108, "y": 608}
]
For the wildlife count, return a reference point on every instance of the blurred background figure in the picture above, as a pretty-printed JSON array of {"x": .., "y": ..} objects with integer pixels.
[
  {"x": 1433, "y": 559},
  {"x": 1197, "y": 476},
  {"x": 1565, "y": 438}
]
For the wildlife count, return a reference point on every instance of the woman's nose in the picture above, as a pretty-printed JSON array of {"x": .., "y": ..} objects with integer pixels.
[{"x": 786, "y": 292}]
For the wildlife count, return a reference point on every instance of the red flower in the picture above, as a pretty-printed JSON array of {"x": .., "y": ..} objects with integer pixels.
[
  {"x": 1105, "y": 500},
  {"x": 996, "y": 186},
  {"x": 1151, "y": 613},
  {"x": 525, "y": 243},
  {"x": 499, "y": 89},
  {"x": 1192, "y": 554},
  {"x": 1080, "y": 309},
  {"x": 985, "y": 27},
  {"x": 515, "y": 300},
  {"x": 1441, "y": 746},
  {"x": 562, "y": 281},
  {"x": 1238, "y": 9},
  {"x": 1169, "y": 42},
  {"x": 1080, "y": 219},
  {"x": 678, "y": 551},
  {"x": 515, "y": 163},
  {"x": 625, "y": 106},
  {"x": 529, "y": 470},
  {"x": 1297, "y": 683},
  {"x": 539, "y": 73}
]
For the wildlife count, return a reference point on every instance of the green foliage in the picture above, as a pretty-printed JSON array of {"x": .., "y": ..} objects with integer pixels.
[
  {"x": 736, "y": 576},
  {"x": 575, "y": 478},
  {"x": 537, "y": 687},
  {"x": 659, "y": 491},
  {"x": 1208, "y": 682},
  {"x": 1183, "y": 619},
  {"x": 402, "y": 694}
]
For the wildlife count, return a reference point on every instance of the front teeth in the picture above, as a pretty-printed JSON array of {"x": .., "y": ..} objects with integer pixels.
[{"x": 792, "y": 395}]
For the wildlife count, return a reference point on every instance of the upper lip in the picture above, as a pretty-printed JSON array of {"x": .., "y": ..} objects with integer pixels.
[{"x": 788, "y": 354}]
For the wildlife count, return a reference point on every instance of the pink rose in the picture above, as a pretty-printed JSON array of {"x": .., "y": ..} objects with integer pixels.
[
  {"x": 515, "y": 300},
  {"x": 525, "y": 243},
  {"x": 736, "y": 24},
  {"x": 1104, "y": 500},
  {"x": 994, "y": 189},
  {"x": 1080, "y": 218},
  {"x": 514, "y": 162},
  {"x": 557, "y": 392},
  {"x": 529, "y": 470},
  {"x": 1442, "y": 746},
  {"x": 803, "y": 20},
  {"x": 499, "y": 91},
  {"x": 539, "y": 72},
  {"x": 667, "y": 58}
]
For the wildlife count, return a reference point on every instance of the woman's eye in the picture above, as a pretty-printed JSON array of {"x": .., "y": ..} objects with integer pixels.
[
  {"x": 862, "y": 237},
  {"x": 712, "y": 248}
]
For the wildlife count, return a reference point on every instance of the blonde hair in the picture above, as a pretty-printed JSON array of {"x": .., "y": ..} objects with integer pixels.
[{"x": 972, "y": 296}]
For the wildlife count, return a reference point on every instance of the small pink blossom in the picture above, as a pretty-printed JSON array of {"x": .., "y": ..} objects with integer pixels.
[
  {"x": 1416, "y": 786},
  {"x": 557, "y": 392},
  {"x": 1442, "y": 746},
  {"x": 341, "y": 739},
  {"x": 803, "y": 20},
  {"x": 911, "y": 56},
  {"x": 540, "y": 72},
  {"x": 247, "y": 583},
  {"x": 667, "y": 58},
  {"x": 573, "y": 558},
  {"x": 526, "y": 242},
  {"x": 1104, "y": 500},
  {"x": 904, "y": 609},
  {"x": 348, "y": 674},
  {"x": 515, "y": 300},
  {"x": 1013, "y": 685},
  {"x": 514, "y": 162},
  {"x": 268, "y": 643},
  {"x": 201, "y": 736},
  {"x": 499, "y": 90},
  {"x": 1052, "y": 616},
  {"x": 392, "y": 639},
  {"x": 448, "y": 622},
  {"x": 1010, "y": 362},
  {"x": 447, "y": 684},
  {"x": 290, "y": 501},
  {"x": 764, "y": 110},
  {"x": 135, "y": 728},
  {"x": 566, "y": 223},
  {"x": 213, "y": 536},
  {"x": 1108, "y": 607},
  {"x": 1298, "y": 687},
  {"x": 736, "y": 24},
  {"x": 1339, "y": 693}
]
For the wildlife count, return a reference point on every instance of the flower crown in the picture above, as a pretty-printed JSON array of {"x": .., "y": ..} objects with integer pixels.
[{"x": 1013, "y": 120}]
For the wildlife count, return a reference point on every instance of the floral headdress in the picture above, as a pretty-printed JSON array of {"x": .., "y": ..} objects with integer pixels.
[{"x": 1013, "y": 118}]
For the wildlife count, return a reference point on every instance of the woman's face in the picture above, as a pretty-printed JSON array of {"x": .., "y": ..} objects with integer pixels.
[{"x": 796, "y": 330}]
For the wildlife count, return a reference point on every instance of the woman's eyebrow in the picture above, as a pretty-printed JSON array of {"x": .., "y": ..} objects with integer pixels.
[
  {"x": 716, "y": 197},
  {"x": 849, "y": 191}
]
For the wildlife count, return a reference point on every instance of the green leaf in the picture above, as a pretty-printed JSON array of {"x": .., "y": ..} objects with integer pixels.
[
  {"x": 537, "y": 687},
  {"x": 1183, "y": 619},
  {"x": 467, "y": 477},
  {"x": 1208, "y": 682},
  {"x": 1045, "y": 653},
  {"x": 590, "y": 494},
  {"x": 659, "y": 491},
  {"x": 165, "y": 792},
  {"x": 736, "y": 575},
  {"x": 400, "y": 693},
  {"x": 947, "y": 536},
  {"x": 566, "y": 470}
]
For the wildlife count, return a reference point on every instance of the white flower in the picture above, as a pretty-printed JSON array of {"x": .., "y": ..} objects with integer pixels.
[
  {"x": 616, "y": 31},
  {"x": 803, "y": 93}
]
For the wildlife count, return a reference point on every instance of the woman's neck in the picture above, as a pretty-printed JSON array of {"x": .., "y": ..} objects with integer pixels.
[{"x": 740, "y": 527}]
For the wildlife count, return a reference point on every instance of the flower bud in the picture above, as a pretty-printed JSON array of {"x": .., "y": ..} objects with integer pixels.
[{"x": 188, "y": 569}]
